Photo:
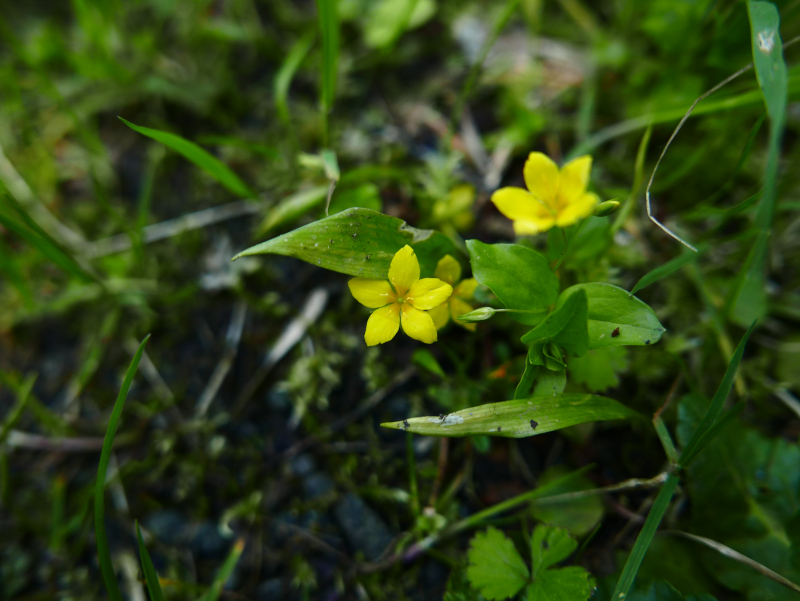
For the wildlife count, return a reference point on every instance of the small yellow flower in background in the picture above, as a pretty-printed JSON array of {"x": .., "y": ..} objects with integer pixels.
[
  {"x": 404, "y": 299},
  {"x": 554, "y": 197},
  {"x": 449, "y": 270}
]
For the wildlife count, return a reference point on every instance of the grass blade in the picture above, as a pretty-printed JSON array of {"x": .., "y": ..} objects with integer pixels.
[
  {"x": 667, "y": 269},
  {"x": 151, "y": 578},
  {"x": 722, "y": 423},
  {"x": 329, "y": 27},
  {"x": 103, "y": 553},
  {"x": 710, "y": 418},
  {"x": 200, "y": 157},
  {"x": 749, "y": 301},
  {"x": 666, "y": 439},
  {"x": 288, "y": 68},
  {"x": 224, "y": 572},
  {"x": 645, "y": 537}
]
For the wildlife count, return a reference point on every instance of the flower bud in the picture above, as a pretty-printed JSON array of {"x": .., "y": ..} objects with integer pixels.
[
  {"x": 481, "y": 314},
  {"x": 606, "y": 208}
]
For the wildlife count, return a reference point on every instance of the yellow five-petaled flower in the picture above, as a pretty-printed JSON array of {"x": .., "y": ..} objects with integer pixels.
[
  {"x": 554, "y": 197},
  {"x": 404, "y": 299}
]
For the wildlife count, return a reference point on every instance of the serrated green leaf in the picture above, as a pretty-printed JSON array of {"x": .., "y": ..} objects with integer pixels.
[
  {"x": 565, "y": 584},
  {"x": 200, "y": 157},
  {"x": 519, "y": 418},
  {"x": 519, "y": 276},
  {"x": 358, "y": 242},
  {"x": 550, "y": 545},
  {"x": 496, "y": 568},
  {"x": 598, "y": 369},
  {"x": 609, "y": 308},
  {"x": 566, "y": 326}
]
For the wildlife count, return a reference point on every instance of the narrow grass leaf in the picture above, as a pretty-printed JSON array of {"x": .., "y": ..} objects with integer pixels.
[
  {"x": 200, "y": 157},
  {"x": 358, "y": 242},
  {"x": 666, "y": 439},
  {"x": 723, "y": 422},
  {"x": 519, "y": 418},
  {"x": 293, "y": 206},
  {"x": 283, "y": 79},
  {"x": 151, "y": 578},
  {"x": 329, "y": 28},
  {"x": 645, "y": 538},
  {"x": 750, "y": 296},
  {"x": 667, "y": 269},
  {"x": 714, "y": 410},
  {"x": 224, "y": 572},
  {"x": 103, "y": 553}
]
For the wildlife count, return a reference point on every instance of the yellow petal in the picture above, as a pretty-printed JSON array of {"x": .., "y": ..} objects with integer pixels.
[
  {"x": 404, "y": 270},
  {"x": 459, "y": 307},
  {"x": 541, "y": 177},
  {"x": 574, "y": 179},
  {"x": 516, "y": 203},
  {"x": 466, "y": 288},
  {"x": 371, "y": 293},
  {"x": 448, "y": 270},
  {"x": 527, "y": 227},
  {"x": 382, "y": 325},
  {"x": 440, "y": 315},
  {"x": 428, "y": 293},
  {"x": 417, "y": 324},
  {"x": 577, "y": 210}
]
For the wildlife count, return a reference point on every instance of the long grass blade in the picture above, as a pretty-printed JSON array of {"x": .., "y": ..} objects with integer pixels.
[
  {"x": 283, "y": 79},
  {"x": 103, "y": 552},
  {"x": 151, "y": 578},
  {"x": 749, "y": 300},
  {"x": 710, "y": 418},
  {"x": 329, "y": 28},
  {"x": 722, "y": 423},
  {"x": 224, "y": 572},
  {"x": 645, "y": 538},
  {"x": 200, "y": 157}
]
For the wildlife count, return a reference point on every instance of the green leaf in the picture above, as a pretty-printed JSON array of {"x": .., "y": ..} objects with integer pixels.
[
  {"x": 496, "y": 568},
  {"x": 693, "y": 447},
  {"x": 609, "y": 308},
  {"x": 366, "y": 196},
  {"x": 598, "y": 370},
  {"x": 458, "y": 588},
  {"x": 550, "y": 382},
  {"x": 358, "y": 242},
  {"x": 388, "y": 19},
  {"x": 425, "y": 359},
  {"x": 749, "y": 299},
  {"x": 225, "y": 571},
  {"x": 202, "y": 158},
  {"x": 646, "y": 535},
  {"x": 103, "y": 553},
  {"x": 579, "y": 515},
  {"x": 550, "y": 545},
  {"x": 526, "y": 381},
  {"x": 150, "y": 576},
  {"x": 329, "y": 26},
  {"x": 293, "y": 206},
  {"x": 520, "y": 277},
  {"x": 667, "y": 269},
  {"x": 566, "y": 584},
  {"x": 566, "y": 326},
  {"x": 519, "y": 418},
  {"x": 284, "y": 76}
]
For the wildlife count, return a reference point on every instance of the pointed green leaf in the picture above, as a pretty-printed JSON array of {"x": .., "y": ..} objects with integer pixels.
[
  {"x": 293, "y": 206},
  {"x": 566, "y": 326},
  {"x": 150, "y": 576},
  {"x": 550, "y": 545},
  {"x": 519, "y": 418},
  {"x": 609, "y": 308},
  {"x": 667, "y": 269},
  {"x": 200, "y": 157},
  {"x": 496, "y": 568},
  {"x": 519, "y": 276},
  {"x": 358, "y": 242},
  {"x": 284, "y": 76}
]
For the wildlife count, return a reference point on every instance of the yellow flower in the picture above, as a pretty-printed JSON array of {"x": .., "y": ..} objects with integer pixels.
[
  {"x": 449, "y": 270},
  {"x": 404, "y": 299},
  {"x": 553, "y": 197}
]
